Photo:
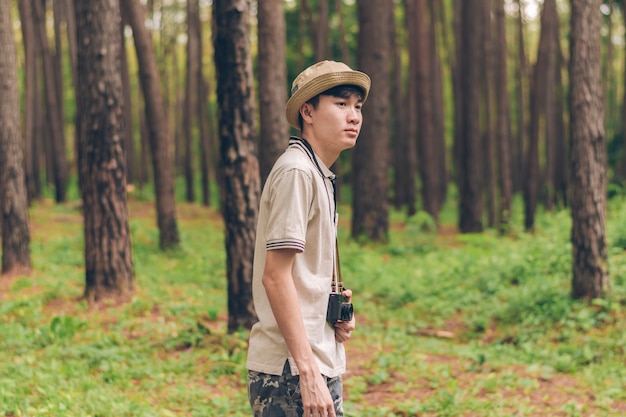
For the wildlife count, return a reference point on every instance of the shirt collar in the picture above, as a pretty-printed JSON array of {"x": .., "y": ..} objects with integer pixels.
[{"x": 299, "y": 142}]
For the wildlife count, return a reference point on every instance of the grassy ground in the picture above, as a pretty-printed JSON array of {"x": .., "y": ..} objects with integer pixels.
[{"x": 448, "y": 325}]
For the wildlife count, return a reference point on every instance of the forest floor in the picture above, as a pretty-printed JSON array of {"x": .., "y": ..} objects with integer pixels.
[
  {"x": 558, "y": 395},
  {"x": 555, "y": 395},
  {"x": 427, "y": 372}
]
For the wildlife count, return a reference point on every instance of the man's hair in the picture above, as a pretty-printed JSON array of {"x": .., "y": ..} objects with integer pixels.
[{"x": 340, "y": 91}]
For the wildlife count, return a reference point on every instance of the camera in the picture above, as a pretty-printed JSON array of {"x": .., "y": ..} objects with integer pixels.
[{"x": 338, "y": 308}]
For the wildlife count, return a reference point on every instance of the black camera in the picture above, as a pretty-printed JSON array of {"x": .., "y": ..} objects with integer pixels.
[{"x": 338, "y": 308}]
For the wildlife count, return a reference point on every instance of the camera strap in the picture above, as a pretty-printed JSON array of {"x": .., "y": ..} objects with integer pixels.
[{"x": 337, "y": 284}]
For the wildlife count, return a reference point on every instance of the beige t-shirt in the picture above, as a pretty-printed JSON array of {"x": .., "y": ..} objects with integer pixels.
[{"x": 297, "y": 211}]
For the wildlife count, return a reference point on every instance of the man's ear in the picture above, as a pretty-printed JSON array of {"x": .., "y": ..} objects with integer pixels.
[{"x": 305, "y": 112}]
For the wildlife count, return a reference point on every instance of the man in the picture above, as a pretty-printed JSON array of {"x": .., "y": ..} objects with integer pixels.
[{"x": 296, "y": 358}]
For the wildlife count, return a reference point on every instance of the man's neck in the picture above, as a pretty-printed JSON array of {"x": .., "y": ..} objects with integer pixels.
[{"x": 326, "y": 158}]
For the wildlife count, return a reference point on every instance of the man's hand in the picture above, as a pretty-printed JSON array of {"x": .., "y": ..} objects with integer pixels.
[
  {"x": 316, "y": 397},
  {"x": 343, "y": 329}
]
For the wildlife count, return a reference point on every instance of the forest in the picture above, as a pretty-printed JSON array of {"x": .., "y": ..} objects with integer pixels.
[{"x": 482, "y": 210}]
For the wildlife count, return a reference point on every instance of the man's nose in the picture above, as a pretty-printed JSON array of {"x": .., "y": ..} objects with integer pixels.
[{"x": 354, "y": 116}]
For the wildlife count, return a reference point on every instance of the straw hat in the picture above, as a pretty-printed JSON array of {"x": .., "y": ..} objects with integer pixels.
[{"x": 318, "y": 78}]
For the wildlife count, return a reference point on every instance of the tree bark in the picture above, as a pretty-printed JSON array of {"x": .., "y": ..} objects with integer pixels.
[
  {"x": 538, "y": 104},
  {"x": 608, "y": 85},
  {"x": 321, "y": 31},
  {"x": 205, "y": 120},
  {"x": 13, "y": 195},
  {"x": 519, "y": 144},
  {"x": 561, "y": 170},
  {"x": 420, "y": 59},
  {"x": 503, "y": 121},
  {"x": 370, "y": 157},
  {"x": 241, "y": 179},
  {"x": 31, "y": 165},
  {"x": 622, "y": 169},
  {"x": 129, "y": 143},
  {"x": 304, "y": 30},
  {"x": 343, "y": 44},
  {"x": 487, "y": 128},
  {"x": 436, "y": 43},
  {"x": 470, "y": 151},
  {"x": 191, "y": 96},
  {"x": 102, "y": 167},
  {"x": 55, "y": 122},
  {"x": 272, "y": 73},
  {"x": 58, "y": 22},
  {"x": 404, "y": 155},
  {"x": 72, "y": 42},
  {"x": 551, "y": 139},
  {"x": 156, "y": 121},
  {"x": 590, "y": 259}
]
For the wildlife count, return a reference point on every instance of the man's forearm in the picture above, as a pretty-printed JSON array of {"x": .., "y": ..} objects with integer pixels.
[{"x": 285, "y": 306}]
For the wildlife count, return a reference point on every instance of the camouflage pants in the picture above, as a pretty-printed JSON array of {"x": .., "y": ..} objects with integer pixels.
[{"x": 279, "y": 395}]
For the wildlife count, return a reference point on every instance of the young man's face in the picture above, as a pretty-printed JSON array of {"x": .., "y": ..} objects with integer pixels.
[{"x": 336, "y": 122}]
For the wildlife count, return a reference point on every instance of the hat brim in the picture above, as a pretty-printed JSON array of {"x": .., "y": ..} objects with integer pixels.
[{"x": 320, "y": 84}]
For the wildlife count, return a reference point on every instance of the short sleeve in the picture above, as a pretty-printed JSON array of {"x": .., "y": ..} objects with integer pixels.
[{"x": 290, "y": 199}]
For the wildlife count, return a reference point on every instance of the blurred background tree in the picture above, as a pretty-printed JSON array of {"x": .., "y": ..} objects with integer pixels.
[{"x": 468, "y": 107}]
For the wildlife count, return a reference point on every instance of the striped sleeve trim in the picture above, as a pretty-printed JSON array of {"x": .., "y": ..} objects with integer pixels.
[{"x": 285, "y": 244}]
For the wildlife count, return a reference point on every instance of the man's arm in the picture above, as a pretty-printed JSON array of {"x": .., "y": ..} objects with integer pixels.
[{"x": 281, "y": 293}]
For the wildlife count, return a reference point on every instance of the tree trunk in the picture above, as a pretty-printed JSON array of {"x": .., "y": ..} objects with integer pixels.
[
  {"x": 370, "y": 157},
  {"x": 589, "y": 181},
  {"x": 343, "y": 44},
  {"x": 561, "y": 170},
  {"x": 272, "y": 73},
  {"x": 206, "y": 133},
  {"x": 455, "y": 62},
  {"x": 176, "y": 112},
  {"x": 486, "y": 107},
  {"x": 191, "y": 95},
  {"x": 548, "y": 95},
  {"x": 13, "y": 195},
  {"x": 519, "y": 145},
  {"x": 129, "y": 144},
  {"x": 72, "y": 42},
  {"x": 321, "y": 31},
  {"x": 30, "y": 99},
  {"x": 55, "y": 122},
  {"x": 304, "y": 30},
  {"x": 436, "y": 44},
  {"x": 108, "y": 257},
  {"x": 608, "y": 85},
  {"x": 38, "y": 144},
  {"x": 144, "y": 166},
  {"x": 470, "y": 151},
  {"x": 157, "y": 125},
  {"x": 503, "y": 121},
  {"x": 58, "y": 21},
  {"x": 622, "y": 170},
  {"x": 420, "y": 59},
  {"x": 404, "y": 154},
  {"x": 538, "y": 104},
  {"x": 205, "y": 120},
  {"x": 240, "y": 167}
]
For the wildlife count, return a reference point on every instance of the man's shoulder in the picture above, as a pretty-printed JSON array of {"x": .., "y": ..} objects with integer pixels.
[{"x": 294, "y": 158}]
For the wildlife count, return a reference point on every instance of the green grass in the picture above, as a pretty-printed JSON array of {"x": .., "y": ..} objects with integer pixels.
[{"x": 515, "y": 343}]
